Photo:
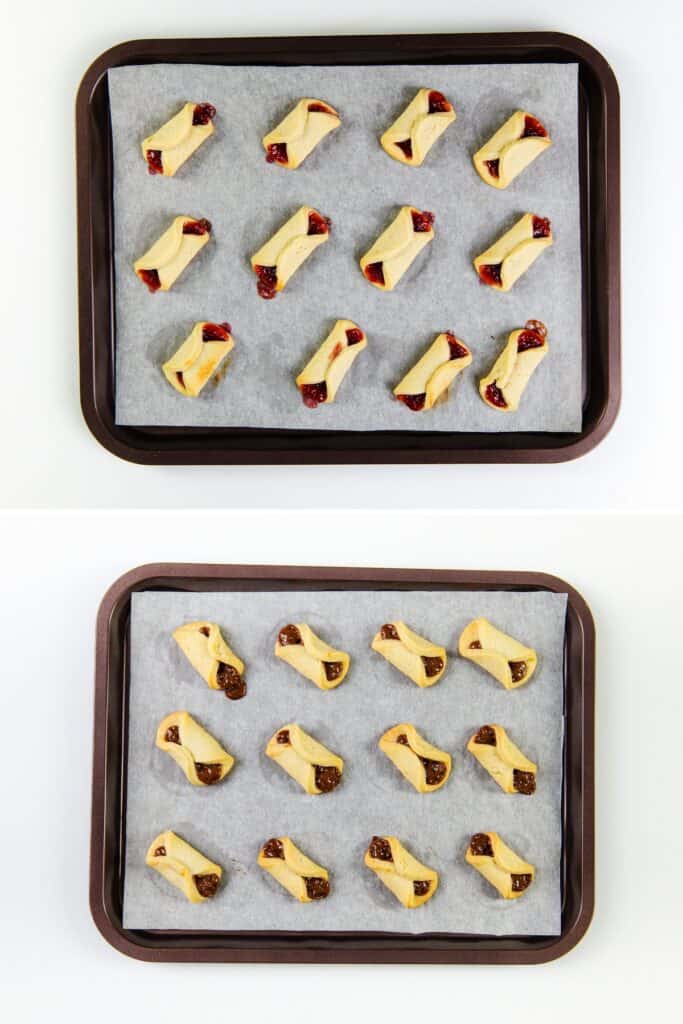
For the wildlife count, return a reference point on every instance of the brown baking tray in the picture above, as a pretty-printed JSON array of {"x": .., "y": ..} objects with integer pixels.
[
  {"x": 600, "y": 229},
  {"x": 108, "y": 832}
]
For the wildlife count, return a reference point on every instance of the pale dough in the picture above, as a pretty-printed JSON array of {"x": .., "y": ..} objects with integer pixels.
[
  {"x": 501, "y": 759},
  {"x": 181, "y": 864},
  {"x": 407, "y": 757},
  {"x": 435, "y": 371},
  {"x": 500, "y": 868},
  {"x": 417, "y": 127},
  {"x": 195, "y": 746},
  {"x": 206, "y": 653},
  {"x": 511, "y": 148},
  {"x": 178, "y": 139},
  {"x": 289, "y": 246},
  {"x": 292, "y": 869},
  {"x": 401, "y": 872},
  {"x": 512, "y": 370},
  {"x": 498, "y": 653},
  {"x": 299, "y": 756},
  {"x": 301, "y": 131},
  {"x": 311, "y": 656},
  {"x": 407, "y": 653},
  {"x": 396, "y": 248},
  {"x": 514, "y": 252},
  {"x": 172, "y": 252},
  {"x": 333, "y": 360},
  {"x": 193, "y": 363}
]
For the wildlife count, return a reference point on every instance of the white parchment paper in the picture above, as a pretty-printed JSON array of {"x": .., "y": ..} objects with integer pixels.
[
  {"x": 230, "y": 821},
  {"x": 352, "y": 180}
]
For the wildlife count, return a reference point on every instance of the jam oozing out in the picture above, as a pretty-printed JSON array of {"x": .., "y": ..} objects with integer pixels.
[
  {"x": 154, "y": 164},
  {"x": 495, "y": 396},
  {"x": 388, "y": 632},
  {"x": 318, "y": 108},
  {"x": 406, "y": 148},
  {"x": 493, "y": 167},
  {"x": 197, "y": 227},
  {"x": 151, "y": 279},
  {"x": 456, "y": 348},
  {"x": 489, "y": 273},
  {"x": 354, "y": 335},
  {"x": 273, "y": 848},
  {"x": 317, "y": 224},
  {"x": 541, "y": 227},
  {"x": 486, "y": 736},
  {"x": 374, "y": 273},
  {"x": 422, "y": 220},
  {"x": 230, "y": 681},
  {"x": 314, "y": 395},
  {"x": 266, "y": 285},
  {"x": 538, "y": 327},
  {"x": 276, "y": 153},
  {"x": 203, "y": 113},
  {"x": 528, "y": 339},
  {"x": 413, "y": 402},
  {"x": 532, "y": 126},
  {"x": 216, "y": 332},
  {"x": 289, "y": 635},
  {"x": 327, "y": 777},
  {"x": 438, "y": 104},
  {"x": 480, "y": 845}
]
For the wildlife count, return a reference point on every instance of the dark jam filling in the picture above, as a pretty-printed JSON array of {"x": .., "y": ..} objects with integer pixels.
[
  {"x": 154, "y": 164},
  {"x": 527, "y": 340},
  {"x": 456, "y": 349},
  {"x": 151, "y": 279},
  {"x": 379, "y": 849},
  {"x": 317, "y": 888},
  {"x": 520, "y": 882},
  {"x": 414, "y": 402},
  {"x": 318, "y": 108},
  {"x": 333, "y": 669},
  {"x": 421, "y": 888},
  {"x": 374, "y": 273},
  {"x": 354, "y": 335},
  {"x": 314, "y": 395},
  {"x": 205, "y": 631},
  {"x": 435, "y": 771},
  {"x": 197, "y": 227},
  {"x": 493, "y": 167},
  {"x": 489, "y": 273},
  {"x": 267, "y": 281},
  {"x": 317, "y": 224},
  {"x": 216, "y": 332},
  {"x": 480, "y": 845},
  {"x": 406, "y": 148},
  {"x": 533, "y": 127},
  {"x": 422, "y": 220},
  {"x": 524, "y": 782},
  {"x": 432, "y": 666},
  {"x": 327, "y": 777},
  {"x": 208, "y": 773},
  {"x": 438, "y": 104},
  {"x": 206, "y": 884},
  {"x": 172, "y": 735},
  {"x": 475, "y": 645},
  {"x": 518, "y": 670},
  {"x": 486, "y": 736},
  {"x": 276, "y": 153},
  {"x": 203, "y": 113},
  {"x": 180, "y": 377},
  {"x": 541, "y": 227},
  {"x": 282, "y": 736},
  {"x": 495, "y": 396},
  {"x": 273, "y": 849},
  {"x": 230, "y": 681},
  {"x": 388, "y": 632},
  {"x": 289, "y": 635},
  {"x": 160, "y": 851}
]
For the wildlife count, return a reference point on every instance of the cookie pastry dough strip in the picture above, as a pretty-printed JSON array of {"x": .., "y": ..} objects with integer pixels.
[
  {"x": 298, "y": 645},
  {"x": 281, "y": 256},
  {"x": 433, "y": 373},
  {"x": 503, "y": 760},
  {"x": 164, "y": 262},
  {"x": 180, "y": 864},
  {"x": 411, "y": 882},
  {"x": 415, "y": 131},
  {"x": 204, "y": 647},
  {"x": 513, "y": 147},
  {"x": 499, "y": 865},
  {"x": 503, "y": 386},
  {"x": 413, "y": 655},
  {"x": 424, "y": 766},
  {"x": 167, "y": 149},
  {"x": 199, "y": 356},
  {"x": 201, "y": 757},
  {"x": 507, "y": 259},
  {"x": 312, "y": 765},
  {"x": 297, "y": 135},
  {"x": 385, "y": 263},
  {"x": 503, "y": 657},
  {"x": 297, "y": 873},
  {"x": 320, "y": 379}
]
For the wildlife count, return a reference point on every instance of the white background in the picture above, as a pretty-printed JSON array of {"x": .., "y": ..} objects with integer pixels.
[
  {"x": 54, "y": 966},
  {"x": 53, "y": 461}
]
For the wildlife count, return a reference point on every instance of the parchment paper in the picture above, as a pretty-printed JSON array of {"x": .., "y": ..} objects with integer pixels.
[
  {"x": 352, "y": 180},
  {"x": 230, "y": 821}
]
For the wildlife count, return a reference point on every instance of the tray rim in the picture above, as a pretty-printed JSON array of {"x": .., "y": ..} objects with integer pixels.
[
  {"x": 134, "y": 579},
  {"x": 319, "y": 450}
]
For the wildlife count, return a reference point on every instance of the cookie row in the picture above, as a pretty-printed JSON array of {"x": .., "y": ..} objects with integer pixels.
[
  {"x": 508, "y": 660},
  {"x": 412, "y": 882}
]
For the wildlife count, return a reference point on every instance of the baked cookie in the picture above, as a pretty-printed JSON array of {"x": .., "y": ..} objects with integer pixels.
[
  {"x": 503, "y": 386},
  {"x": 200, "y": 756},
  {"x": 514, "y": 252},
  {"x": 419, "y": 659},
  {"x": 306, "y": 880},
  {"x": 199, "y": 356},
  {"x": 415, "y": 131},
  {"x": 503, "y": 657},
  {"x": 206, "y": 650},
  {"x": 505, "y": 762},
  {"x": 424, "y": 766},
  {"x": 164, "y": 262},
  {"x": 183, "y": 866},
  {"x": 299, "y": 132},
  {"x": 513, "y": 147},
  {"x": 411, "y": 882},
  {"x": 311, "y": 764},
  {"x": 283, "y": 254},
  {"x": 167, "y": 149},
  {"x": 499, "y": 865},
  {"x": 310, "y": 656},
  {"x": 433, "y": 373},
  {"x": 385, "y": 263},
  {"x": 320, "y": 378}
]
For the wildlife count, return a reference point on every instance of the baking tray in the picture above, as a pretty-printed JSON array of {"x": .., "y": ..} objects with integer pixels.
[
  {"x": 108, "y": 831},
  {"x": 600, "y": 231}
]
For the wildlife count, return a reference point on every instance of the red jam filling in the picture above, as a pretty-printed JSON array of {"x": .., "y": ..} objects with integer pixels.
[
  {"x": 216, "y": 332},
  {"x": 495, "y": 396},
  {"x": 277, "y": 153},
  {"x": 336, "y": 351},
  {"x": 154, "y": 164},
  {"x": 354, "y": 335},
  {"x": 414, "y": 402},
  {"x": 406, "y": 148},
  {"x": 490, "y": 274},
  {"x": 438, "y": 104},
  {"x": 318, "y": 225},
  {"x": 151, "y": 279},
  {"x": 493, "y": 167},
  {"x": 203, "y": 113},
  {"x": 197, "y": 227},
  {"x": 457, "y": 350},
  {"x": 528, "y": 339},
  {"x": 422, "y": 220},
  {"x": 267, "y": 281},
  {"x": 180, "y": 378},
  {"x": 318, "y": 108},
  {"x": 532, "y": 126},
  {"x": 314, "y": 394},
  {"x": 541, "y": 227},
  {"x": 374, "y": 273}
]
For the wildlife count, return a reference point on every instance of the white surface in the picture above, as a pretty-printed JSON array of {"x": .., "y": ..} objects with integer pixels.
[
  {"x": 55, "y": 462},
  {"x": 53, "y": 964}
]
